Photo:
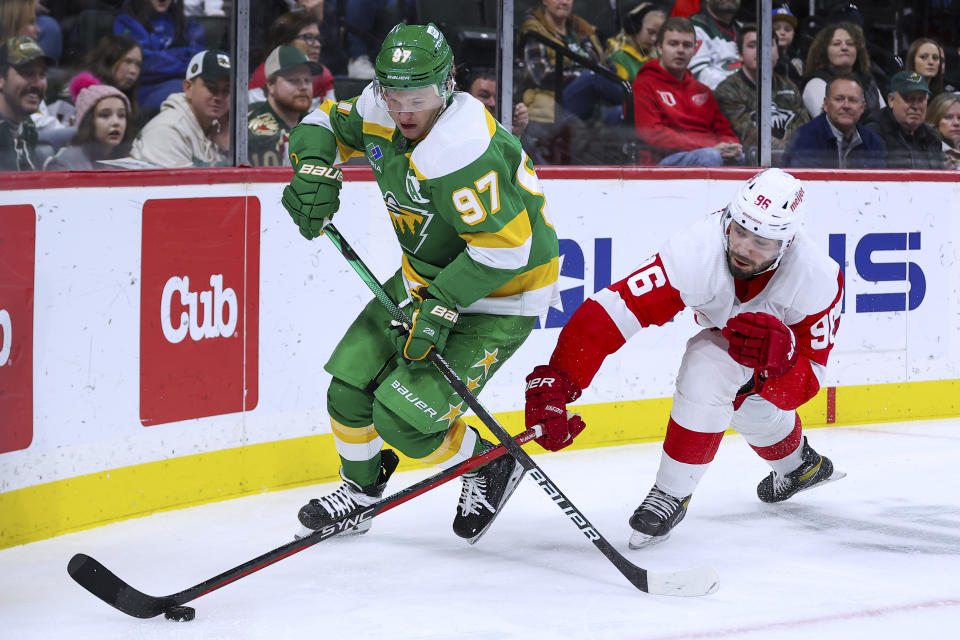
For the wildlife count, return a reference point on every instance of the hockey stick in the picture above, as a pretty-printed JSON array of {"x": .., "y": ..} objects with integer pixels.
[
  {"x": 693, "y": 582},
  {"x": 106, "y": 585}
]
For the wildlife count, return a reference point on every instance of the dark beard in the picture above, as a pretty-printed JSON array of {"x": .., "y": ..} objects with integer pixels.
[{"x": 746, "y": 274}]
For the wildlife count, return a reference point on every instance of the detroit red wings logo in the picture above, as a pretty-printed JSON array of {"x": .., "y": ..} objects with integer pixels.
[
  {"x": 700, "y": 99},
  {"x": 667, "y": 98}
]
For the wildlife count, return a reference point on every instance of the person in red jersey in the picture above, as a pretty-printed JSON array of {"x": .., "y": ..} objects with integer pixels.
[{"x": 768, "y": 302}]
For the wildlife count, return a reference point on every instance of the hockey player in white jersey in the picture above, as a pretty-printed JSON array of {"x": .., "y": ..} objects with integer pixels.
[{"x": 768, "y": 301}]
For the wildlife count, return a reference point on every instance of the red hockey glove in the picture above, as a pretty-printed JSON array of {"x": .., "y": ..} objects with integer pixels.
[
  {"x": 761, "y": 341},
  {"x": 548, "y": 392}
]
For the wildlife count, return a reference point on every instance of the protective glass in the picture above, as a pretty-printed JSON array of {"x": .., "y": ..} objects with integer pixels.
[{"x": 408, "y": 100}]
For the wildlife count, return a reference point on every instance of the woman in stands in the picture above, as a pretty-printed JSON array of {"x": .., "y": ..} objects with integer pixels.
[
  {"x": 300, "y": 29},
  {"x": 117, "y": 60},
  {"x": 925, "y": 56},
  {"x": 168, "y": 41},
  {"x": 943, "y": 114},
  {"x": 103, "y": 132},
  {"x": 839, "y": 47},
  {"x": 636, "y": 42}
]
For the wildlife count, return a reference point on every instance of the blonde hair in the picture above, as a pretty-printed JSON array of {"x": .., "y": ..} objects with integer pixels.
[
  {"x": 14, "y": 14},
  {"x": 938, "y": 108}
]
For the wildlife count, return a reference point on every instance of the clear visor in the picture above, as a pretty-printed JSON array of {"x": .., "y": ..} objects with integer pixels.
[{"x": 408, "y": 100}]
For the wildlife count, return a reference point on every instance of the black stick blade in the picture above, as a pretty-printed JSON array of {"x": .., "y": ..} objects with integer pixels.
[{"x": 103, "y": 583}]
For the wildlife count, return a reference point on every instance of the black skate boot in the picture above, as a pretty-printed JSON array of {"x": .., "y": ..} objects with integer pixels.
[
  {"x": 484, "y": 493},
  {"x": 320, "y": 512},
  {"x": 655, "y": 517},
  {"x": 815, "y": 470}
]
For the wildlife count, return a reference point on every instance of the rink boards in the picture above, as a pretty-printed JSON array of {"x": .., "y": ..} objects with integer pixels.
[{"x": 163, "y": 334}]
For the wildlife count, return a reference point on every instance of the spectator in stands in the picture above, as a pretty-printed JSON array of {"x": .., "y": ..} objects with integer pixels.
[
  {"x": 717, "y": 32},
  {"x": 28, "y": 18},
  {"x": 925, "y": 56},
  {"x": 676, "y": 116},
  {"x": 168, "y": 41},
  {"x": 943, "y": 115},
  {"x": 300, "y": 29},
  {"x": 193, "y": 127},
  {"x": 737, "y": 97},
  {"x": 790, "y": 62},
  {"x": 104, "y": 128},
  {"x": 838, "y": 48},
  {"x": 482, "y": 85},
  {"x": 367, "y": 22},
  {"x": 637, "y": 41},
  {"x": 910, "y": 142},
  {"x": 117, "y": 60},
  {"x": 289, "y": 90},
  {"x": 23, "y": 83},
  {"x": 835, "y": 138},
  {"x": 555, "y": 21}
]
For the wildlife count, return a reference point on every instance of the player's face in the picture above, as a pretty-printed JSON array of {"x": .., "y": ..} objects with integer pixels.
[
  {"x": 413, "y": 110},
  {"x": 748, "y": 254}
]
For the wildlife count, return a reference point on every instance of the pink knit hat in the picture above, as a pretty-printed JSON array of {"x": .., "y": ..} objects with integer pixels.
[{"x": 87, "y": 91}]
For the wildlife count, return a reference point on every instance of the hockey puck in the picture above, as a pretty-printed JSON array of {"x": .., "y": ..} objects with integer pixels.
[{"x": 180, "y": 614}]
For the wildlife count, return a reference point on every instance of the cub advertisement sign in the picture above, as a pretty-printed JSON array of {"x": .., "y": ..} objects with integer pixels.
[{"x": 199, "y": 308}]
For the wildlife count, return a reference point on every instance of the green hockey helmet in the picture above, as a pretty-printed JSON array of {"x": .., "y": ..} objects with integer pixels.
[{"x": 414, "y": 69}]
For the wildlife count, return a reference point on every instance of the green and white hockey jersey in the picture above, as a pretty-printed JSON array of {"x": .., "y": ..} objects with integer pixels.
[{"x": 465, "y": 201}]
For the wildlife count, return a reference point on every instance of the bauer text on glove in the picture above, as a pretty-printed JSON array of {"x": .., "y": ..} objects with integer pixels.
[
  {"x": 313, "y": 195},
  {"x": 430, "y": 325}
]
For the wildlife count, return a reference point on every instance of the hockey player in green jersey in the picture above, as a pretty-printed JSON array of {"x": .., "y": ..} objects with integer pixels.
[{"x": 479, "y": 264}]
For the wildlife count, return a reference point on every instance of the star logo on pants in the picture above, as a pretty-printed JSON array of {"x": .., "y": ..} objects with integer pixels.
[
  {"x": 452, "y": 414},
  {"x": 488, "y": 360}
]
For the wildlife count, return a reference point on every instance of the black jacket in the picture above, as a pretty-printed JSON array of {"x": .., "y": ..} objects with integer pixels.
[{"x": 922, "y": 150}]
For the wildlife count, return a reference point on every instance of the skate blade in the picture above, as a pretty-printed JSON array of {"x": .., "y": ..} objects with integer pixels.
[
  {"x": 836, "y": 475},
  {"x": 360, "y": 529},
  {"x": 641, "y": 540},
  {"x": 512, "y": 484}
]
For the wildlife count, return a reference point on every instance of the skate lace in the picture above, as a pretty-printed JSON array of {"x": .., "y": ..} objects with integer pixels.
[
  {"x": 342, "y": 501},
  {"x": 473, "y": 495},
  {"x": 780, "y": 483},
  {"x": 662, "y": 504}
]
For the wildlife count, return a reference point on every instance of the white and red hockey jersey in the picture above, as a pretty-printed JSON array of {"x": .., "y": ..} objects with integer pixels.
[{"x": 690, "y": 270}]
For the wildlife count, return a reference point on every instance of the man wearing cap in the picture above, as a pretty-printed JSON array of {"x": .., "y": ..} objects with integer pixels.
[
  {"x": 289, "y": 91},
  {"x": 911, "y": 143},
  {"x": 193, "y": 127},
  {"x": 23, "y": 83}
]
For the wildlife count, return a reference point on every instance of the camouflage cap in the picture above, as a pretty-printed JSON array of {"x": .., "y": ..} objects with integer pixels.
[{"x": 19, "y": 50}]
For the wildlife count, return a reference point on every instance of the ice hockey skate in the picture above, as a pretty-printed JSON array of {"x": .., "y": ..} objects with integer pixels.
[
  {"x": 320, "y": 512},
  {"x": 655, "y": 517},
  {"x": 483, "y": 495},
  {"x": 815, "y": 471}
]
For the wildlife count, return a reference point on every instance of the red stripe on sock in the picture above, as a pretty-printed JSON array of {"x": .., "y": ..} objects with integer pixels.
[
  {"x": 690, "y": 447},
  {"x": 785, "y": 447}
]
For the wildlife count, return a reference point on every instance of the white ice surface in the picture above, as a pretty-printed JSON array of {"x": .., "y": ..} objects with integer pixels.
[{"x": 875, "y": 555}]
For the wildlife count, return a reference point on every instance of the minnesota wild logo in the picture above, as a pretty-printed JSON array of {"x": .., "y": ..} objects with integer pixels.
[
  {"x": 413, "y": 188},
  {"x": 410, "y": 222}
]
